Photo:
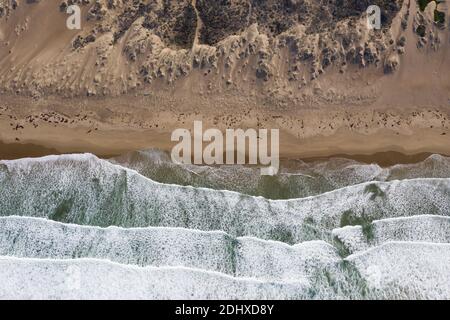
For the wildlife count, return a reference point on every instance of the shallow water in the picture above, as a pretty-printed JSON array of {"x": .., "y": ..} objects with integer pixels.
[{"x": 296, "y": 179}]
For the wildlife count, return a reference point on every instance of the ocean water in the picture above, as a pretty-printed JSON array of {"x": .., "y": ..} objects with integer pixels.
[
  {"x": 425, "y": 228},
  {"x": 139, "y": 226},
  {"x": 296, "y": 179}
]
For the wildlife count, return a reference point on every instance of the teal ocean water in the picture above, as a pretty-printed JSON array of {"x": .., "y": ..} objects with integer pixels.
[{"x": 139, "y": 226}]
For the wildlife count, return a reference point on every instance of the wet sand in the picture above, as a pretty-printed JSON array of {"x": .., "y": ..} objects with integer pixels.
[{"x": 11, "y": 151}]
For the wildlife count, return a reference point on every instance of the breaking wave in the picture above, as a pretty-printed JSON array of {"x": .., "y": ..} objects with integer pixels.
[
  {"x": 85, "y": 190},
  {"x": 297, "y": 179}
]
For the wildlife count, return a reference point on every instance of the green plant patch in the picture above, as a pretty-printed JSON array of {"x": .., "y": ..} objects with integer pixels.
[{"x": 439, "y": 16}]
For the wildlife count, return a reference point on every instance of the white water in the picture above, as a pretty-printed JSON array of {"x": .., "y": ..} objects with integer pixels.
[{"x": 168, "y": 241}]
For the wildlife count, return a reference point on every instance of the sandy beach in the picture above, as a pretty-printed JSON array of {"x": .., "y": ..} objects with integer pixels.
[
  {"x": 111, "y": 129},
  {"x": 113, "y": 88},
  {"x": 347, "y": 198}
]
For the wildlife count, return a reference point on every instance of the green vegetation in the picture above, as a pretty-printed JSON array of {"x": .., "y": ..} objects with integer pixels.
[
  {"x": 423, "y": 4},
  {"x": 421, "y": 30},
  {"x": 439, "y": 16}
]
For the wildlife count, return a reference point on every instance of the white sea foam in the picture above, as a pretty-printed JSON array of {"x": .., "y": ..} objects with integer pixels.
[
  {"x": 85, "y": 190},
  {"x": 435, "y": 166},
  {"x": 405, "y": 270},
  {"x": 167, "y": 244},
  {"x": 214, "y": 251},
  {"x": 426, "y": 228},
  {"x": 395, "y": 270},
  {"x": 100, "y": 279}
]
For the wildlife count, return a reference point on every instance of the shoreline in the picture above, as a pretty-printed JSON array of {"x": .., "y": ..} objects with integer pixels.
[{"x": 12, "y": 151}]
